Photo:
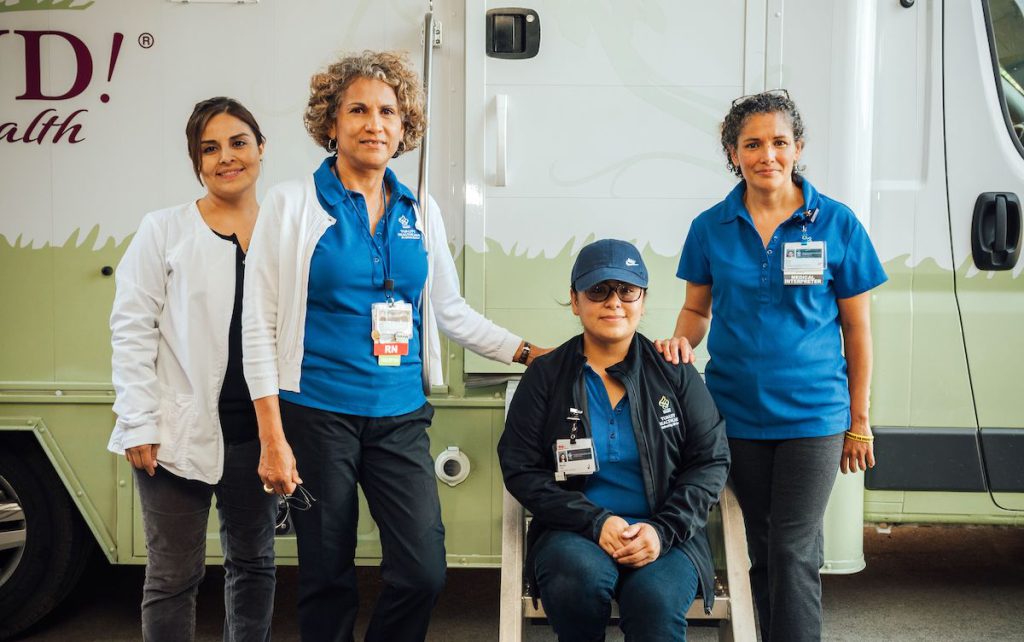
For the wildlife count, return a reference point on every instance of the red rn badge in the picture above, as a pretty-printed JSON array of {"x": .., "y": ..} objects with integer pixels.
[{"x": 392, "y": 349}]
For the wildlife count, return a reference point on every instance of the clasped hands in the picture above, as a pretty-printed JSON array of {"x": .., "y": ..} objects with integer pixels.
[{"x": 632, "y": 545}]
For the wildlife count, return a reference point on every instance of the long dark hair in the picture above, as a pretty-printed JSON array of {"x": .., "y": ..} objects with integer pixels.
[{"x": 201, "y": 115}]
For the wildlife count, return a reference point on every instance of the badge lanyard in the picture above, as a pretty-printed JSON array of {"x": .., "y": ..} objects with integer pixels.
[
  {"x": 809, "y": 215},
  {"x": 574, "y": 417},
  {"x": 391, "y": 321},
  {"x": 389, "y": 283}
]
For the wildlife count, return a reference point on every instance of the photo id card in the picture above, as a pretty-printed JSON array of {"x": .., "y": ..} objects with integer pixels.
[
  {"x": 574, "y": 459},
  {"x": 391, "y": 330},
  {"x": 804, "y": 263}
]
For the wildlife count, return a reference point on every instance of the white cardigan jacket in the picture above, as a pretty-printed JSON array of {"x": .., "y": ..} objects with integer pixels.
[
  {"x": 291, "y": 223},
  {"x": 169, "y": 332}
]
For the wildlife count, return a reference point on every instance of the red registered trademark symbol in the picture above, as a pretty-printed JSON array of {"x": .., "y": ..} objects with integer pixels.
[{"x": 146, "y": 40}]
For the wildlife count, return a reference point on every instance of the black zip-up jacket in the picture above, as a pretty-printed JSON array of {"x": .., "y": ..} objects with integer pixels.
[{"x": 684, "y": 454}]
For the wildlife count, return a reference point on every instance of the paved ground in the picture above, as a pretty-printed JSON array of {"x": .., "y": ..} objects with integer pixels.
[{"x": 922, "y": 583}]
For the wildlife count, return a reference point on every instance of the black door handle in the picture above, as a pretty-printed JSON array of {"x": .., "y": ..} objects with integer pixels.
[{"x": 995, "y": 231}]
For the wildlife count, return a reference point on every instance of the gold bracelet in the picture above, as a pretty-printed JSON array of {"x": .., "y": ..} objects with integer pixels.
[{"x": 864, "y": 439}]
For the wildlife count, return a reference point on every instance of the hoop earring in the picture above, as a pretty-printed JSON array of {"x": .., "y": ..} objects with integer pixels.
[{"x": 332, "y": 144}]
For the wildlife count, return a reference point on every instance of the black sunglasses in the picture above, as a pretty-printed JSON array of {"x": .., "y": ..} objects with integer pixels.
[
  {"x": 771, "y": 92},
  {"x": 301, "y": 499},
  {"x": 627, "y": 292}
]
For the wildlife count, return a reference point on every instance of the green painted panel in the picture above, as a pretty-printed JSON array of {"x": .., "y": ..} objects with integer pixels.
[
  {"x": 26, "y": 312},
  {"x": 471, "y": 511},
  {"x": 992, "y": 305},
  {"x": 83, "y": 299},
  {"x": 1009, "y": 501},
  {"x": 966, "y": 507},
  {"x": 892, "y": 338},
  {"x": 940, "y": 385},
  {"x": 82, "y": 432},
  {"x": 920, "y": 375}
]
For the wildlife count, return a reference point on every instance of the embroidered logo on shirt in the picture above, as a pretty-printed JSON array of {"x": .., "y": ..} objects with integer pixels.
[
  {"x": 632, "y": 263},
  {"x": 668, "y": 418},
  {"x": 407, "y": 233}
]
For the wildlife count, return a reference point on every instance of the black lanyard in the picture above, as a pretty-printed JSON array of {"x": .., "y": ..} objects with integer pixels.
[{"x": 389, "y": 283}]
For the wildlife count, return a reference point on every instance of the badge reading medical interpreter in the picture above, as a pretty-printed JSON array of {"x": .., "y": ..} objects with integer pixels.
[
  {"x": 803, "y": 263},
  {"x": 391, "y": 331}
]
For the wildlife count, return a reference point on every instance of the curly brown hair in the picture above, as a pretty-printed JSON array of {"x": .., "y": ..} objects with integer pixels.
[
  {"x": 768, "y": 102},
  {"x": 392, "y": 67}
]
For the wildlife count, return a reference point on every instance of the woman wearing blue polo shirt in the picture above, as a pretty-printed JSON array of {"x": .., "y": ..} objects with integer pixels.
[
  {"x": 337, "y": 265},
  {"x": 785, "y": 272}
]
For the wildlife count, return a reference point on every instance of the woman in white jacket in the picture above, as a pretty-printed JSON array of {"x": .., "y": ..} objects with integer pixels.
[
  {"x": 184, "y": 417},
  {"x": 337, "y": 266}
]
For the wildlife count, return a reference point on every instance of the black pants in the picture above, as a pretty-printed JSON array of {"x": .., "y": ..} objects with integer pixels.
[
  {"x": 175, "y": 513},
  {"x": 389, "y": 458},
  {"x": 783, "y": 487}
]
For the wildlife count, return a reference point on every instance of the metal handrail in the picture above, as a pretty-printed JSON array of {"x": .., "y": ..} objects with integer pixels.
[{"x": 424, "y": 197}]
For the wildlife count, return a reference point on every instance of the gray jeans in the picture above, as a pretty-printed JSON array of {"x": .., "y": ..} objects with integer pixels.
[
  {"x": 783, "y": 487},
  {"x": 175, "y": 512}
]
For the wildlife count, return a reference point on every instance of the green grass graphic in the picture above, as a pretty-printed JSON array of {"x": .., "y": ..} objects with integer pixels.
[{"x": 45, "y": 5}]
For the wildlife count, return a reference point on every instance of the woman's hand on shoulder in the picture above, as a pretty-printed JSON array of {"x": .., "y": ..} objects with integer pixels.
[
  {"x": 675, "y": 350},
  {"x": 536, "y": 351},
  {"x": 143, "y": 457},
  {"x": 858, "y": 454},
  {"x": 277, "y": 467},
  {"x": 641, "y": 546}
]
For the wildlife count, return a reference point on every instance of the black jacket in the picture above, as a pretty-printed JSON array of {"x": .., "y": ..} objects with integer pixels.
[{"x": 684, "y": 465}]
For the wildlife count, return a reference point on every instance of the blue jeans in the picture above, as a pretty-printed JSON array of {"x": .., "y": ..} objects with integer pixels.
[
  {"x": 175, "y": 512},
  {"x": 578, "y": 580}
]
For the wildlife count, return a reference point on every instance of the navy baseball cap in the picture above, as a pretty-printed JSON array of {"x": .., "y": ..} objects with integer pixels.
[{"x": 608, "y": 260}]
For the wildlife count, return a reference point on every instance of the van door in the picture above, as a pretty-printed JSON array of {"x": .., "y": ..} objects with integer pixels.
[
  {"x": 984, "y": 121},
  {"x": 610, "y": 130}
]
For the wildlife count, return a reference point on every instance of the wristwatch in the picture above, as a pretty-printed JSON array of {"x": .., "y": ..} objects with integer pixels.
[{"x": 524, "y": 354}]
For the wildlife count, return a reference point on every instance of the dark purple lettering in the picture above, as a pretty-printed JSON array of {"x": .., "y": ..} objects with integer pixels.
[
  {"x": 34, "y": 66},
  {"x": 9, "y": 131},
  {"x": 72, "y": 130},
  {"x": 29, "y": 135}
]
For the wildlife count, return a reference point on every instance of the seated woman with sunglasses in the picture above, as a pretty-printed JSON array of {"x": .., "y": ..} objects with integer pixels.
[{"x": 619, "y": 455}]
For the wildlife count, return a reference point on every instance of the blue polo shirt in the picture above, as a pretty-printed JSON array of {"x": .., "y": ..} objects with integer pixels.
[
  {"x": 617, "y": 485},
  {"x": 777, "y": 369},
  {"x": 346, "y": 276}
]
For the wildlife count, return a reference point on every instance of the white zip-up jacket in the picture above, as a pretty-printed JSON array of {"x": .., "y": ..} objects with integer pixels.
[
  {"x": 291, "y": 223},
  {"x": 169, "y": 327}
]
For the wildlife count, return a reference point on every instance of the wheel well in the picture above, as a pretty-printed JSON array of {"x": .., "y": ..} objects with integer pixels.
[{"x": 32, "y": 439}]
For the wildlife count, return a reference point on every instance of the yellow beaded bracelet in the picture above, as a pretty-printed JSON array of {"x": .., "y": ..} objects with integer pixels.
[{"x": 864, "y": 439}]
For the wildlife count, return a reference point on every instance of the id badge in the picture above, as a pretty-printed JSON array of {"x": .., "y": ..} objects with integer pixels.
[
  {"x": 804, "y": 263},
  {"x": 391, "y": 331},
  {"x": 574, "y": 459}
]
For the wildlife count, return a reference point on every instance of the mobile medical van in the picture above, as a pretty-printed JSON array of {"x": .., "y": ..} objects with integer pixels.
[{"x": 553, "y": 123}]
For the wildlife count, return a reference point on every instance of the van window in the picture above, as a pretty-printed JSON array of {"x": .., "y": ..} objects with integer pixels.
[{"x": 1007, "y": 39}]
